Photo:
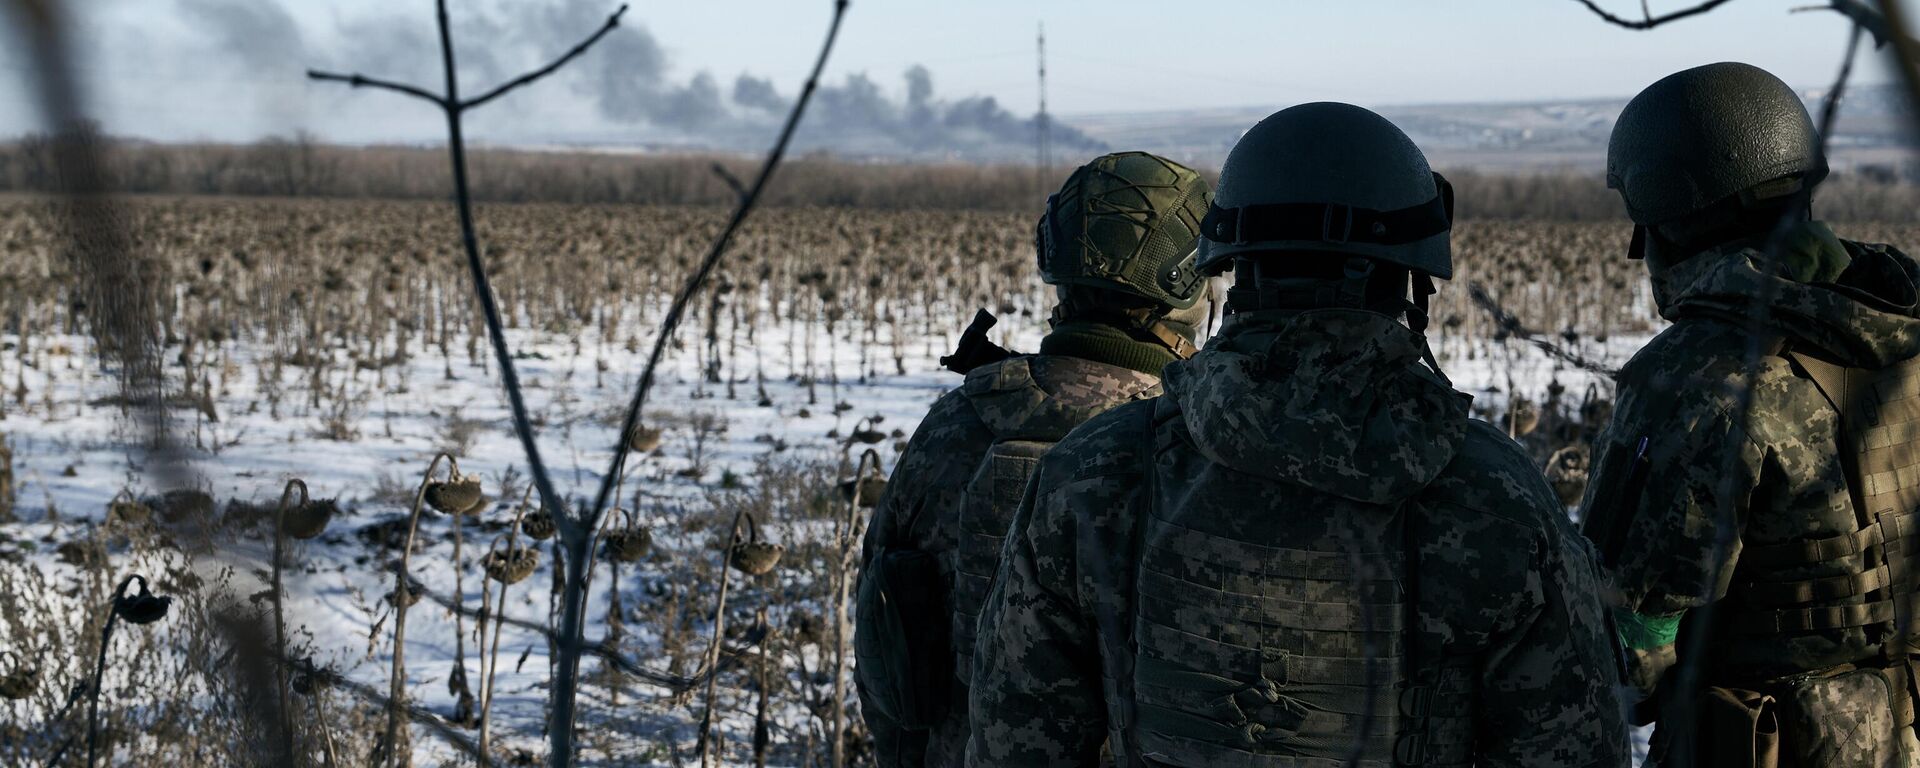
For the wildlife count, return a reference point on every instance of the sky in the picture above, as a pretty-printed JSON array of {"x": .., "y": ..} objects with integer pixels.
[{"x": 232, "y": 70}]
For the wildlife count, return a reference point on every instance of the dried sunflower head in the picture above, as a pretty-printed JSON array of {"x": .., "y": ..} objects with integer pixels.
[
  {"x": 1567, "y": 473},
  {"x": 643, "y": 439},
  {"x": 871, "y": 488},
  {"x": 456, "y": 495},
  {"x": 411, "y": 594},
  {"x": 309, "y": 519},
  {"x": 630, "y": 544},
  {"x": 143, "y": 607},
  {"x": 539, "y": 526},
  {"x": 511, "y": 566},
  {"x": 19, "y": 682},
  {"x": 755, "y": 558}
]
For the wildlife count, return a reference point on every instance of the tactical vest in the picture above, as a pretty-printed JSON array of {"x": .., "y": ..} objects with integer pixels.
[
  {"x": 1874, "y": 589},
  {"x": 1027, "y": 416},
  {"x": 1880, "y": 433},
  {"x": 1273, "y": 628}
]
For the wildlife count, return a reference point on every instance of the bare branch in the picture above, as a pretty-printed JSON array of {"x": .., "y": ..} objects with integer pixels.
[
  {"x": 732, "y": 181},
  {"x": 612, "y": 21},
  {"x": 699, "y": 277},
  {"x": 358, "y": 80},
  {"x": 1649, "y": 22}
]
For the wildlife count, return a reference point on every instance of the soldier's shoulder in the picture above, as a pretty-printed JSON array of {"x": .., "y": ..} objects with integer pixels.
[
  {"x": 952, "y": 420},
  {"x": 1491, "y": 480},
  {"x": 1070, "y": 382},
  {"x": 1699, "y": 355},
  {"x": 1107, "y": 444},
  {"x": 1077, "y": 380}
]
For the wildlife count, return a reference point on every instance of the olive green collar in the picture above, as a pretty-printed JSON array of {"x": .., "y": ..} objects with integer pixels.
[{"x": 1106, "y": 344}]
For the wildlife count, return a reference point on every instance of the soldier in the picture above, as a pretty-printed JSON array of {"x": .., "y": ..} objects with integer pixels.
[
  {"x": 1118, "y": 242},
  {"x": 1754, "y": 498},
  {"x": 1306, "y": 552}
]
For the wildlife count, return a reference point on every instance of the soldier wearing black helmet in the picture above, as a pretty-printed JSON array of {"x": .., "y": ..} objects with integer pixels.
[
  {"x": 1118, "y": 241},
  {"x": 1755, "y": 493},
  {"x": 1305, "y": 552}
]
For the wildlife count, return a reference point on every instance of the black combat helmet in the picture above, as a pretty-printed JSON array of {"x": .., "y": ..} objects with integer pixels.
[
  {"x": 1720, "y": 137},
  {"x": 1333, "y": 178},
  {"x": 1126, "y": 222}
]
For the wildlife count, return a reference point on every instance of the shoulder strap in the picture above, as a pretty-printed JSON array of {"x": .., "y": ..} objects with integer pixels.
[{"x": 1833, "y": 382}]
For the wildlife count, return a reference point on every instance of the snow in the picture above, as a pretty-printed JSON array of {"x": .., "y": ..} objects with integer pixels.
[{"x": 71, "y": 458}]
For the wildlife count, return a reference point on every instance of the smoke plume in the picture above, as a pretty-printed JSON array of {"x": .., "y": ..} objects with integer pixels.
[{"x": 628, "y": 79}]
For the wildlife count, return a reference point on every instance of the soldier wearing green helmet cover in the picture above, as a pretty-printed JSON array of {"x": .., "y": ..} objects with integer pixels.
[
  {"x": 1755, "y": 492},
  {"x": 1304, "y": 553},
  {"x": 1118, "y": 242}
]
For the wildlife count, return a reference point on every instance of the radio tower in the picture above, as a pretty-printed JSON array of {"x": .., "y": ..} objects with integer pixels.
[{"x": 1043, "y": 151}]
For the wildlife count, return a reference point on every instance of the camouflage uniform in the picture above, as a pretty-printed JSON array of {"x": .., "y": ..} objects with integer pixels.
[
  {"x": 1691, "y": 506},
  {"x": 1033, "y": 400},
  {"x": 1118, "y": 241},
  {"x": 1176, "y": 581}
]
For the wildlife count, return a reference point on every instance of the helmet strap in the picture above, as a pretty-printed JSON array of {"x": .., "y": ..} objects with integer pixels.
[
  {"x": 1148, "y": 324},
  {"x": 1254, "y": 290},
  {"x": 1417, "y": 314}
]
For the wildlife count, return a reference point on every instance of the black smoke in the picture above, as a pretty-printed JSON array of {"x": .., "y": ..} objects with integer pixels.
[{"x": 629, "y": 79}]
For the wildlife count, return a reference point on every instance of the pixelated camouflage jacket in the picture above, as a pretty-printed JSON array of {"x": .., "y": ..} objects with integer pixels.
[
  {"x": 1674, "y": 461},
  {"x": 1036, "y": 397},
  {"x": 1283, "y": 415}
]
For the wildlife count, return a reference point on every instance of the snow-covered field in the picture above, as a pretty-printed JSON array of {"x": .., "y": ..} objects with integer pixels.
[{"x": 722, "y": 446}]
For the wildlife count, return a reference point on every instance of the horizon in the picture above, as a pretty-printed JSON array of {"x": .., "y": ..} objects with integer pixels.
[{"x": 232, "y": 71}]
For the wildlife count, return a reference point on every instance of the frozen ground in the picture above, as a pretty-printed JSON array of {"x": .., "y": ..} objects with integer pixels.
[{"x": 70, "y": 458}]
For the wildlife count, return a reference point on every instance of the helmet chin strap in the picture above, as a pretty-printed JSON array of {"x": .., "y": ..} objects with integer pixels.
[
  {"x": 1145, "y": 324},
  {"x": 1418, "y": 317}
]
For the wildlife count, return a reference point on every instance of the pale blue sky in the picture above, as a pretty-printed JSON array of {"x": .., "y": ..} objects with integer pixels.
[{"x": 161, "y": 70}]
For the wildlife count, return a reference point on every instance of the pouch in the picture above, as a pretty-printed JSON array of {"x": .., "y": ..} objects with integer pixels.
[{"x": 1841, "y": 720}]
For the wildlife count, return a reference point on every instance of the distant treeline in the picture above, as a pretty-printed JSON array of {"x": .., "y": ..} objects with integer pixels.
[{"x": 301, "y": 167}]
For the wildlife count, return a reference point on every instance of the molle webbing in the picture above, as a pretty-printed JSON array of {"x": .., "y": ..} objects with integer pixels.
[
  {"x": 992, "y": 498},
  {"x": 1266, "y": 642},
  {"x": 1880, "y": 435}
]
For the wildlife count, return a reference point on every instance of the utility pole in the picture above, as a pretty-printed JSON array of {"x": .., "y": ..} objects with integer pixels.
[{"x": 1043, "y": 151}]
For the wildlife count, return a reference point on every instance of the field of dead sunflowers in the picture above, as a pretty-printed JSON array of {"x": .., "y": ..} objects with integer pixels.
[{"x": 354, "y": 527}]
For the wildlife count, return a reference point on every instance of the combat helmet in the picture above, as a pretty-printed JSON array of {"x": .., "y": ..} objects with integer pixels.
[
  {"x": 1699, "y": 146},
  {"x": 1119, "y": 240},
  {"x": 1126, "y": 222},
  {"x": 1330, "y": 178}
]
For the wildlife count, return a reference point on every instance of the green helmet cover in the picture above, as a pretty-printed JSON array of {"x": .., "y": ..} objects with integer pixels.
[
  {"x": 1127, "y": 222},
  {"x": 1332, "y": 178},
  {"x": 1703, "y": 135}
]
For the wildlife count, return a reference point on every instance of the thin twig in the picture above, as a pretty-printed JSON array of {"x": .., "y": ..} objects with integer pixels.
[
  {"x": 573, "y": 613},
  {"x": 732, "y": 181},
  {"x": 680, "y": 300},
  {"x": 612, "y": 21},
  {"x": 1649, "y": 22},
  {"x": 358, "y": 80}
]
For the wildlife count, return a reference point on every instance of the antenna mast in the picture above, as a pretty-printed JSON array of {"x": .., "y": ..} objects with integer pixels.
[{"x": 1043, "y": 151}]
